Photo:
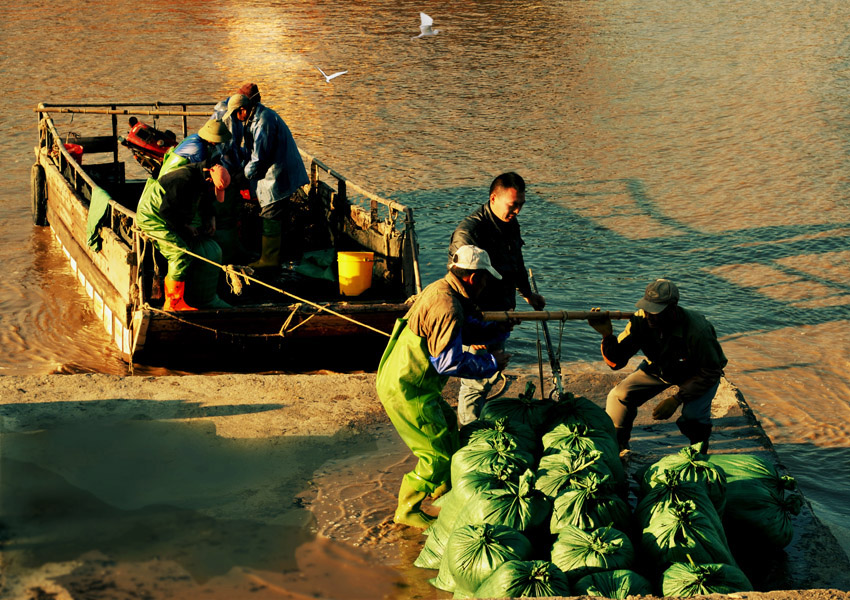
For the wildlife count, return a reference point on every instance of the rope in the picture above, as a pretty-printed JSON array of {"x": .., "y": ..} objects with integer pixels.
[{"x": 233, "y": 274}]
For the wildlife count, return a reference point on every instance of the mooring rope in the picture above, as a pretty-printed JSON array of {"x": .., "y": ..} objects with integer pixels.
[{"x": 235, "y": 274}]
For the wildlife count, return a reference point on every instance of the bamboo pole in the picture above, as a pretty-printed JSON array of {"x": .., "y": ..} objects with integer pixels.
[{"x": 553, "y": 315}]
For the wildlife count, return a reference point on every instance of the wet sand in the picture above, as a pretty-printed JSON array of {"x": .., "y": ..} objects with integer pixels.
[{"x": 225, "y": 486}]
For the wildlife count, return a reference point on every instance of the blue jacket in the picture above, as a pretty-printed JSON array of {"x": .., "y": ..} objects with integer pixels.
[
  {"x": 275, "y": 164},
  {"x": 233, "y": 153}
]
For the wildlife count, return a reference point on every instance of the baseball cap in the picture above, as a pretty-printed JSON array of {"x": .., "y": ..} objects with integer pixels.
[
  {"x": 237, "y": 101},
  {"x": 658, "y": 295},
  {"x": 221, "y": 179},
  {"x": 474, "y": 258}
]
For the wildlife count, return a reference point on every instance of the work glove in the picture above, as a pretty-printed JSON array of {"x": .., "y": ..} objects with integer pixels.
[{"x": 665, "y": 409}]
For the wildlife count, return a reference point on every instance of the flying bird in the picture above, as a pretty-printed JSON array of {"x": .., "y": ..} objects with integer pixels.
[
  {"x": 329, "y": 77},
  {"x": 425, "y": 27}
]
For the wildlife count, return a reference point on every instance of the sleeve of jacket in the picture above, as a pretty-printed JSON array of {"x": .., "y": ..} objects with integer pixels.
[
  {"x": 708, "y": 355},
  {"x": 455, "y": 362},
  {"x": 464, "y": 235},
  {"x": 617, "y": 350},
  {"x": 262, "y": 153}
]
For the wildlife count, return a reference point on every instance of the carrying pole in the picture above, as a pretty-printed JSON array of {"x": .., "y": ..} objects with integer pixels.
[
  {"x": 554, "y": 363},
  {"x": 553, "y": 315}
]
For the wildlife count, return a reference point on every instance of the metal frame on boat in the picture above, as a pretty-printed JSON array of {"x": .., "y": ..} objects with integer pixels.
[{"x": 120, "y": 279}]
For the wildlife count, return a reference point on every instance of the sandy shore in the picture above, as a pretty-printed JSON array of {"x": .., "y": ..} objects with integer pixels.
[{"x": 276, "y": 486}]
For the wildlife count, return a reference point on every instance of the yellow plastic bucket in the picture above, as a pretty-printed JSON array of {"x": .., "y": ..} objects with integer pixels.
[{"x": 355, "y": 272}]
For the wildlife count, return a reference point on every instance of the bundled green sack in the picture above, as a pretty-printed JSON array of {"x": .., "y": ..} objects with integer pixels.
[
  {"x": 474, "y": 552},
  {"x": 681, "y": 531},
  {"x": 671, "y": 486},
  {"x": 613, "y": 584},
  {"x": 694, "y": 466},
  {"x": 453, "y": 502},
  {"x": 525, "y": 409},
  {"x": 483, "y": 429},
  {"x": 578, "y": 552},
  {"x": 519, "y": 506},
  {"x": 577, "y": 409},
  {"x": 556, "y": 472},
  {"x": 590, "y": 503},
  {"x": 525, "y": 579},
  {"x": 758, "y": 511},
  {"x": 577, "y": 437},
  {"x": 489, "y": 455},
  {"x": 689, "y": 579}
]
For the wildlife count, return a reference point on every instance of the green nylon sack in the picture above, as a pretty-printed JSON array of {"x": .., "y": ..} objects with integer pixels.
[
  {"x": 451, "y": 504},
  {"x": 758, "y": 510},
  {"x": 590, "y": 503},
  {"x": 525, "y": 579},
  {"x": 525, "y": 409},
  {"x": 482, "y": 429},
  {"x": 689, "y": 579},
  {"x": 577, "y": 409},
  {"x": 619, "y": 584},
  {"x": 577, "y": 437},
  {"x": 518, "y": 505},
  {"x": 488, "y": 456},
  {"x": 681, "y": 531},
  {"x": 669, "y": 486},
  {"x": 556, "y": 472},
  {"x": 694, "y": 466},
  {"x": 474, "y": 552},
  {"x": 578, "y": 552}
]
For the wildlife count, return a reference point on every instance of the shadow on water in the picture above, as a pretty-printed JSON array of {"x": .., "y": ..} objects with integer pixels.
[
  {"x": 145, "y": 485},
  {"x": 598, "y": 243}
]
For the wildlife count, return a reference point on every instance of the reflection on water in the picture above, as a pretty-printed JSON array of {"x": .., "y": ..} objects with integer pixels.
[{"x": 706, "y": 142}]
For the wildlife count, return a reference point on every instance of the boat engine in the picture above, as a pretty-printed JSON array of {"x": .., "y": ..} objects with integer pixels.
[{"x": 148, "y": 144}]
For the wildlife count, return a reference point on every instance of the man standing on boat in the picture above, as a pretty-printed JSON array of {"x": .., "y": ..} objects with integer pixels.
[
  {"x": 494, "y": 228},
  {"x": 681, "y": 349},
  {"x": 166, "y": 213},
  {"x": 275, "y": 168},
  {"x": 426, "y": 348}
]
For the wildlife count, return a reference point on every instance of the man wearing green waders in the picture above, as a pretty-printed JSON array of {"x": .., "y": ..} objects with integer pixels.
[{"x": 426, "y": 348}]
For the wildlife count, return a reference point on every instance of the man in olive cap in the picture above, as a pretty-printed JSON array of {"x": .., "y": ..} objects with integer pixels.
[
  {"x": 681, "y": 349},
  {"x": 274, "y": 169}
]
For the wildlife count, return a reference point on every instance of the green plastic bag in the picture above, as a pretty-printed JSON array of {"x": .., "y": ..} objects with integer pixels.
[
  {"x": 590, "y": 503},
  {"x": 681, "y": 531},
  {"x": 577, "y": 409},
  {"x": 556, "y": 472},
  {"x": 748, "y": 467},
  {"x": 482, "y": 429},
  {"x": 525, "y": 579},
  {"x": 689, "y": 579},
  {"x": 577, "y": 437},
  {"x": 525, "y": 409},
  {"x": 694, "y": 466},
  {"x": 671, "y": 486},
  {"x": 474, "y": 552},
  {"x": 488, "y": 456},
  {"x": 578, "y": 552},
  {"x": 613, "y": 584}
]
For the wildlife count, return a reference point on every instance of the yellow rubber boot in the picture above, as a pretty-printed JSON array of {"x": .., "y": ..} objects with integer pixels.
[
  {"x": 409, "y": 512},
  {"x": 174, "y": 295},
  {"x": 270, "y": 256}
]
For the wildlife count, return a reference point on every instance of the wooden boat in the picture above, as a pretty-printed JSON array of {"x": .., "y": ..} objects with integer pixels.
[{"x": 273, "y": 322}]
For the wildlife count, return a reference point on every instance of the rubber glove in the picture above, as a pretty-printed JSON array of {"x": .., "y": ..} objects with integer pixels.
[{"x": 665, "y": 409}]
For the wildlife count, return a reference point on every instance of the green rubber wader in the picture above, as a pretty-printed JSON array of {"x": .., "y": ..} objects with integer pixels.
[
  {"x": 149, "y": 221},
  {"x": 411, "y": 391}
]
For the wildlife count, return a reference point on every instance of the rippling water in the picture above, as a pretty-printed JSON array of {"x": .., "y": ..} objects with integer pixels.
[{"x": 702, "y": 141}]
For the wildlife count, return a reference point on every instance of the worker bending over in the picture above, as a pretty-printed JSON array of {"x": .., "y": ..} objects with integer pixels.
[{"x": 425, "y": 349}]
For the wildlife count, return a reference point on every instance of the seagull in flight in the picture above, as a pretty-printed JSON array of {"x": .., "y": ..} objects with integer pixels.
[
  {"x": 329, "y": 77},
  {"x": 425, "y": 27}
]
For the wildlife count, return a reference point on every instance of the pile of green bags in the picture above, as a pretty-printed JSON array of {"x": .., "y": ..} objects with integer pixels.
[{"x": 539, "y": 507}]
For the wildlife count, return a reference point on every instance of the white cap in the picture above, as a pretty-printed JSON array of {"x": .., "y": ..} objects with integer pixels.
[{"x": 473, "y": 258}]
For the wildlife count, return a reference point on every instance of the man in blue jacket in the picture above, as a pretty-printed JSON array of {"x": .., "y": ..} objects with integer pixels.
[{"x": 274, "y": 170}]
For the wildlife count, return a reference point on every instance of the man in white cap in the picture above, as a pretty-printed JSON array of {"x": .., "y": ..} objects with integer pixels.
[
  {"x": 166, "y": 212},
  {"x": 681, "y": 349},
  {"x": 275, "y": 170},
  {"x": 425, "y": 349}
]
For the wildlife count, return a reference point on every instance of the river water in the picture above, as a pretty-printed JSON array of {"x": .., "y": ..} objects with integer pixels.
[{"x": 703, "y": 141}]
